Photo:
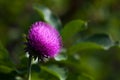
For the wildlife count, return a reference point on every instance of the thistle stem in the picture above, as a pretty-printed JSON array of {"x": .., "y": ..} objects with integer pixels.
[{"x": 29, "y": 67}]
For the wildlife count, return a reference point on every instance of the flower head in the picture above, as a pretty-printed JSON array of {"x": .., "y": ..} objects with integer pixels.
[{"x": 43, "y": 40}]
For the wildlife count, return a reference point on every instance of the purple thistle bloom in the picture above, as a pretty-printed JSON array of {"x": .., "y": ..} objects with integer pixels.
[{"x": 43, "y": 40}]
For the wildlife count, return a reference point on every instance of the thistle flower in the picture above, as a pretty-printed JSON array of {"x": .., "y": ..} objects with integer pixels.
[{"x": 43, "y": 41}]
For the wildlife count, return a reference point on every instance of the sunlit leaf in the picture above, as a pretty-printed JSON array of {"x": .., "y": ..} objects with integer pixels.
[
  {"x": 60, "y": 73},
  {"x": 61, "y": 56},
  {"x": 72, "y": 28},
  {"x": 48, "y": 16},
  {"x": 85, "y": 77},
  {"x": 35, "y": 76},
  {"x": 84, "y": 46}
]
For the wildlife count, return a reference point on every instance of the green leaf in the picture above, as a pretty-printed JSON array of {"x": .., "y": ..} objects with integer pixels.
[
  {"x": 72, "y": 28},
  {"x": 101, "y": 39},
  {"x": 35, "y": 76},
  {"x": 60, "y": 73},
  {"x": 85, "y": 77},
  {"x": 61, "y": 56},
  {"x": 5, "y": 69},
  {"x": 3, "y": 52},
  {"x": 85, "y": 46},
  {"x": 5, "y": 62},
  {"x": 48, "y": 16}
]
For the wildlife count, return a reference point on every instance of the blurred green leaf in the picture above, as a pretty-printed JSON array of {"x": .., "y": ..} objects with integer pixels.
[
  {"x": 61, "y": 56},
  {"x": 5, "y": 62},
  {"x": 101, "y": 39},
  {"x": 72, "y": 28},
  {"x": 5, "y": 69},
  {"x": 76, "y": 69},
  {"x": 35, "y": 76},
  {"x": 48, "y": 16},
  {"x": 3, "y": 52},
  {"x": 84, "y": 46},
  {"x": 85, "y": 77},
  {"x": 60, "y": 73}
]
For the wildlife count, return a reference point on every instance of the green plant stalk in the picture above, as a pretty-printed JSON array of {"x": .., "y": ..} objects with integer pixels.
[{"x": 29, "y": 67}]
